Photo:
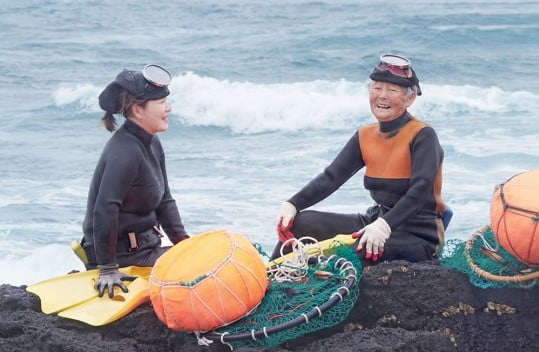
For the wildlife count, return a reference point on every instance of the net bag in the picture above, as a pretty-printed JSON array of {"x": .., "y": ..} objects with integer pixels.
[
  {"x": 514, "y": 216},
  {"x": 207, "y": 281},
  {"x": 313, "y": 288},
  {"x": 487, "y": 264}
]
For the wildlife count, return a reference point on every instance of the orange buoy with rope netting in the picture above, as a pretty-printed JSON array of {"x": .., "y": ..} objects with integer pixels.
[
  {"x": 514, "y": 216},
  {"x": 207, "y": 281}
]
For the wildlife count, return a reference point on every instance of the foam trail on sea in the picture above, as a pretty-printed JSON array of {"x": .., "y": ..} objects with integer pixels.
[
  {"x": 85, "y": 95},
  {"x": 248, "y": 107},
  {"x": 40, "y": 264}
]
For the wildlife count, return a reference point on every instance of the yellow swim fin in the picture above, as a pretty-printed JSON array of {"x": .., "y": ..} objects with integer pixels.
[
  {"x": 104, "y": 310},
  {"x": 79, "y": 251},
  {"x": 74, "y": 296}
]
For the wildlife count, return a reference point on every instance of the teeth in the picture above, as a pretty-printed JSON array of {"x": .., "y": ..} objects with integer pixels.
[{"x": 383, "y": 106}]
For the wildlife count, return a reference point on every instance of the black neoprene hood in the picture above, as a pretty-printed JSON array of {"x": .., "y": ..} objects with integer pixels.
[
  {"x": 134, "y": 83},
  {"x": 386, "y": 76}
]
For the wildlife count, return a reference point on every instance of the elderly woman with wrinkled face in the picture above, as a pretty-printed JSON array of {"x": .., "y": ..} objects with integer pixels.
[{"x": 402, "y": 158}]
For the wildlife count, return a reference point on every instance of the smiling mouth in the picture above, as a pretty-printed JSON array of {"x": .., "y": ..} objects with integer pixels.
[{"x": 383, "y": 106}]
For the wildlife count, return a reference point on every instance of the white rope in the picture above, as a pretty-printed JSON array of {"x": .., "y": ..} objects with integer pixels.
[
  {"x": 223, "y": 337},
  {"x": 324, "y": 261},
  {"x": 224, "y": 342},
  {"x": 319, "y": 311},
  {"x": 344, "y": 288},
  {"x": 337, "y": 294},
  {"x": 355, "y": 271},
  {"x": 295, "y": 267},
  {"x": 487, "y": 245},
  {"x": 202, "y": 341},
  {"x": 306, "y": 318},
  {"x": 347, "y": 268},
  {"x": 338, "y": 263}
]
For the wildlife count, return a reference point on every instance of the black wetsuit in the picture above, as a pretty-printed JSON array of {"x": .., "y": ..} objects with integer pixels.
[
  {"x": 410, "y": 203},
  {"x": 130, "y": 193}
]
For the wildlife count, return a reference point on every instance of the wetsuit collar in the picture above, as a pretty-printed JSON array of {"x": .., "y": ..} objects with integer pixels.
[
  {"x": 138, "y": 131},
  {"x": 388, "y": 126}
]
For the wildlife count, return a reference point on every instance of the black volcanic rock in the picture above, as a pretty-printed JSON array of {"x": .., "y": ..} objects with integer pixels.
[{"x": 402, "y": 307}]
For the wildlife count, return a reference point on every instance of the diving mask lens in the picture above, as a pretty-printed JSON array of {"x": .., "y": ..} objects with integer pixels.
[
  {"x": 397, "y": 65},
  {"x": 156, "y": 75}
]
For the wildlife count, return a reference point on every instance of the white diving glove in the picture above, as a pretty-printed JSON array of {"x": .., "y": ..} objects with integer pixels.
[
  {"x": 285, "y": 220},
  {"x": 374, "y": 235},
  {"x": 286, "y": 214}
]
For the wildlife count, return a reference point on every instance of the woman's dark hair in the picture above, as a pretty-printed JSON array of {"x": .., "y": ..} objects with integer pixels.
[{"x": 127, "y": 100}]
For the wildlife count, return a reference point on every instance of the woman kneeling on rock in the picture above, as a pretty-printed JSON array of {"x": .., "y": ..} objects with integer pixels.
[{"x": 403, "y": 173}]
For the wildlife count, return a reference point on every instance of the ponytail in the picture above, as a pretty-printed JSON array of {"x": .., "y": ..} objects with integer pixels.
[
  {"x": 126, "y": 103},
  {"x": 109, "y": 121}
]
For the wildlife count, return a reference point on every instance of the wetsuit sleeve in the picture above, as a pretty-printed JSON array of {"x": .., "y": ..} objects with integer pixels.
[
  {"x": 345, "y": 165},
  {"x": 427, "y": 156},
  {"x": 119, "y": 172},
  {"x": 167, "y": 212}
]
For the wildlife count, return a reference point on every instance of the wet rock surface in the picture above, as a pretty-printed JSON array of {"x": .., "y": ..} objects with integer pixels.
[{"x": 402, "y": 307}]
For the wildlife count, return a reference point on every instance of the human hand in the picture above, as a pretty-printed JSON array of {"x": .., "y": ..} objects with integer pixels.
[
  {"x": 374, "y": 236},
  {"x": 110, "y": 276},
  {"x": 285, "y": 220}
]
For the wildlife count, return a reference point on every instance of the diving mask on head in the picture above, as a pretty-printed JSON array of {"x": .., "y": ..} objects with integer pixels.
[
  {"x": 156, "y": 75},
  {"x": 149, "y": 84},
  {"x": 396, "y": 69},
  {"x": 397, "y": 65}
]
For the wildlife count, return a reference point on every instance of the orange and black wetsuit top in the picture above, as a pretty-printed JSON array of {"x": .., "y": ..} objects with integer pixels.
[{"x": 403, "y": 161}]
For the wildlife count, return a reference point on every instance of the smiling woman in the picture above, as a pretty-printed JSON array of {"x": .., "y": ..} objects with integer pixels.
[
  {"x": 129, "y": 199},
  {"x": 403, "y": 172},
  {"x": 388, "y": 100},
  {"x": 152, "y": 116}
]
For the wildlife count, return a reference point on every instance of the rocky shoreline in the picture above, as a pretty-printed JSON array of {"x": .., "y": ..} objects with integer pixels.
[{"x": 402, "y": 307}]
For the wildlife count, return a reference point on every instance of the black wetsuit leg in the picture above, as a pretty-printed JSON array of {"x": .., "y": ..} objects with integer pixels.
[
  {"x": 405, "y": 246},
  {"x": 402, "y": 245},
  {"x": 413, "y": 241},
  {"x": 144, "y": 257},
  {"x": 148, "y": 251}
]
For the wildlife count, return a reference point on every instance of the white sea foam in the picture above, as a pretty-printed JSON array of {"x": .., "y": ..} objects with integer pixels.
[
  {"x": 30, "y": 268},
  {"x": 494, "y": 143},
  {"x": 247, "y": 107},
  {"x": 85, "y": 95},
  {"x": 489, "y": 27},
  {"x": 12, "y": 200}
]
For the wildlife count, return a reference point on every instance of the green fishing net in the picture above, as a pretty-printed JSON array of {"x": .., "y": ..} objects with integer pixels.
[
  {"x": 484, "y": 256},
  {"x": 286, "y": 302}
]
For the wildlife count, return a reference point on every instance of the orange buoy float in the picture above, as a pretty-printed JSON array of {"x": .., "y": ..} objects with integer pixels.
[
  {"x": 514, "y": 216},
  {"x": 207, "y": 281}
]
